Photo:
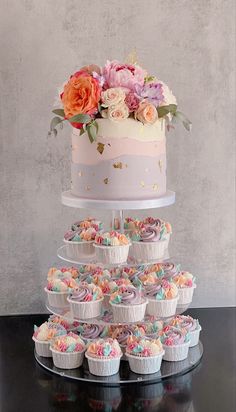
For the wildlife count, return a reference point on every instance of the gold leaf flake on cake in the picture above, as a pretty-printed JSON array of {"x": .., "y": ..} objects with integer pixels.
[
  {"x": 155, "y": 187},
  {"x": 118, "y": 165},
  {"x": 142, "y": 184},
  {"x": 80, "y": 174},
  {"x": 160, "y": 165},
  {"x": 106, "y": 181},
  {"x": 87, "y": 188}
]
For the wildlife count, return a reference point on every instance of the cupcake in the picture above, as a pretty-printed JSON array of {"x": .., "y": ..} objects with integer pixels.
[
  {"x": 144, "y": 355},
  {"x": 165, "y": 228},
  {"x": 104, "y": 357},
  {"x": 175, "y": 342},
  {"x": 79, "y": 243},
  {"x": 191, "y": 325},
  {"x": 132, "y": 224},
  {"x": 68, "y": 325},
  {"x": 123, "y": 332},
  {"x": 148, "y": 244},
  {"x": 145, "y": 279},
  {"x": 186, "y": 285},
  {"x": 44, "y": 334},
  {"x": 68, "y": 351},
  {"x": 58, "y": 289},
  {"x": 89, "y": 332},
  {"x": 87, "y": 223},
  {"x": 111, "y": 247},
  {"x": 152, "y": 329},
  {"x": 55, "y": 273},
  {"x": 162, "y": 298},
  {"x": 86, "y": 301},
  {"x": 128, "y": 304},
  {"x": 167, "y": 270}
]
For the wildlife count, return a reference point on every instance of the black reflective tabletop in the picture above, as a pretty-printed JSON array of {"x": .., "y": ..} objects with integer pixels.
[{"x": 26, "y": 387}]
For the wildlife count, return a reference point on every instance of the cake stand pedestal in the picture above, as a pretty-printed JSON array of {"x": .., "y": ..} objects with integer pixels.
[{"x": 125, "y": 375}]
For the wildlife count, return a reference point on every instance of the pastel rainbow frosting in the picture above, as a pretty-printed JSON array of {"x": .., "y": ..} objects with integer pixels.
[
  {"x": 63, "y": 273},
  {"x": 185, "y": 322},
  {"x": 127, "y": 295},
  {"x": 112, "y": 238},
  {"x": 184, "y": 280},
  {"x": 161, "y": 290},
  {"x": 81, "y": 235},
  {"x": 47, "y": 331},
  {"x": 87, "y": 223},
  {"x": 86, "y": 292},
  {"x": 171, "y": 336},
  {"x": 152, "y": 329},
  {"x": 104, "y": 348},
  {"x": 144, "y": 347},
  {"x": 62, "y": 285},
  {"x": 69, "y": 343},
  {"x": 68, "y": 325},
  {"x": 147, "y": 234},
  {"x": 123, "y": 332},
  {"x": 89, "y": 331}
]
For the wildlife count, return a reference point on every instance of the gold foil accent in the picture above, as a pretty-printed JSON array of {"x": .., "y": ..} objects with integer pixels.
[
  {"x": 80, "y": 173},
  {"x": 118, "y": 165},
  {"x": 155, "y": 187},
  {"x": 87, "y": 188},
  {"x": 142, "y": 184},
  {"x": 132, "y": 57},
  {"x": 160, "y": 165},
  {"x": 106, "y": 181}
]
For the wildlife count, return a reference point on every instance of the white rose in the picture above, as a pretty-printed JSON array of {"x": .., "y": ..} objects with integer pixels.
[
  {"x": 118, "y": 112},
  {"x": 113, "y": 96}
]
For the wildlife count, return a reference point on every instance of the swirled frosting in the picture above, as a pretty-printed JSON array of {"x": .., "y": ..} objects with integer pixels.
[
  {"x": 185, "y": 322},
  {"x": 62, "y": 285},
  {"x": 165, "y": 227},
  {"x": 80, "y": 235},
  {"x": 69, "y": 343},
  {"x": 104, "y": 348},
  {"x": 148, "y": 234},
  {"x": 64, "y": 322},
  {"x": 152, "y": 329},
  {"x": 86, "y": 292},
  {"x": 184, "y": 280},
  {"x": 132, "y": 224},
  {"x": 89, "y": 331},
  {"x": 170, "y": 335},
  {"x": 127, "y": 295},
  {"x": 47, "y": 331},
  {"x": 144, "y": 347},
  {"x": 161, "y": 290},
  {"x": 123, "y": 332},
  {"x": 112, "y": 238},
  {"x": 87, "y": 223}
]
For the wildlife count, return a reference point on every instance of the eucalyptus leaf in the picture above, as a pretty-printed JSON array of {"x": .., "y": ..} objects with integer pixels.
[
  {"x": 172, "y": 108},
  {"x": 186, "y": 122},
  {"x": 80, "y": 118},
  {"x": 96, "y": 125},
  {"x": 92, "y": 132},
  {"x": 82, "y": 131},
  {"x": 59, "y": 112},
  {"x": 54, "y": 122},
  {"x": 163, "y": 111}
]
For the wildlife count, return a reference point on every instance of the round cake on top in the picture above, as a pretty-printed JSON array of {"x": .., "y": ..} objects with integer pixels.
[{"x": 119, "y": 115}]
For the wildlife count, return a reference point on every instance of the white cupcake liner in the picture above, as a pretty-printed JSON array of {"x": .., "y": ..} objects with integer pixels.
[
  {"x": 145, "y": 251},
  {"x": 176, "y": 353},
  {"x": 103, "y": 366},
  {"x": 128, "y": 313},
  {"x": 112, "y": 254},
  {"x": 85, "y": 310},
  {"x": 66, "y": 360},
  {"x": 186, "y": 295},
  {"x": 57, "y": 299},
  {"x": 77, "y": 250},
  {"x": 194, "y": 336},
  {"x": 42, "y": 348},
  {"x": 145, "y": 365},
  {"x": 162, "y": 308}
]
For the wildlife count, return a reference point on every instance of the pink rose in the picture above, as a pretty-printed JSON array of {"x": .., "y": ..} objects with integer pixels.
[
  {"x": 146, "y": 113},
  {"x": 132, "y": 101},
  {"x": 117, "y": 112},
  {"x": 127, "y": 76}
]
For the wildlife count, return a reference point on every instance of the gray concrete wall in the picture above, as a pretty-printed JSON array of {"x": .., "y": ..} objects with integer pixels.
[{"x": 187, "y": 43}]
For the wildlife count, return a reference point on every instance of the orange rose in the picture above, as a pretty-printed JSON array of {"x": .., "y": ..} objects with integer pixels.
[
  {"x": 81, "y": 95},
  {"x": 146, "y": 113}
]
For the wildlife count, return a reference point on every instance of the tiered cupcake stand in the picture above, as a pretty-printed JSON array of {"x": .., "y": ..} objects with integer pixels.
[{"x": 125, "y": 375}]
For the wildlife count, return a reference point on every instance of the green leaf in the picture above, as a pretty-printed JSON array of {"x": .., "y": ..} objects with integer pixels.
[
  {"x": 92, "y": 132},
  {"x": 172, "y": 108},
  {"x": 59, "y": 112},
  {"x": 163, "y": 111},
  {"x": 186, "y": 122},
  {"x": 82, "y": 131},
  {"x": 96, "y": 125},
  {"x": 100, "y": 147},
  {"x": 80, "y": 118},
  {"x": 54, "y": 122}
]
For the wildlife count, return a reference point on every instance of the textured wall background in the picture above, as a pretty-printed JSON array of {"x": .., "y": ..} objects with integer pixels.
[{"x": 190, "y": 45}]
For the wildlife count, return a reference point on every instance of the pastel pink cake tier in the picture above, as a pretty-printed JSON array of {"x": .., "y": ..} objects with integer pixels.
[{"x": 132, "y": 165}]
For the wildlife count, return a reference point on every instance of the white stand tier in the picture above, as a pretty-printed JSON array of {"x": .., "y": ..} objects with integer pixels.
[{"x": 68, "y": 199}]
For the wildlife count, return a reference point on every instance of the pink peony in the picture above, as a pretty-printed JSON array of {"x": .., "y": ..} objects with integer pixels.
[
  {"x": 127, "y": 76},
  {"x": 132, "y": 101}
]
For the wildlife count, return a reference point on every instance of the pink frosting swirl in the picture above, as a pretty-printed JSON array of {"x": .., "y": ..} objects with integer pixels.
[
  {"x": 127, "y": 295},
  {"x": 170, "y": 335},
  {"x": 150, "y": 234}
]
